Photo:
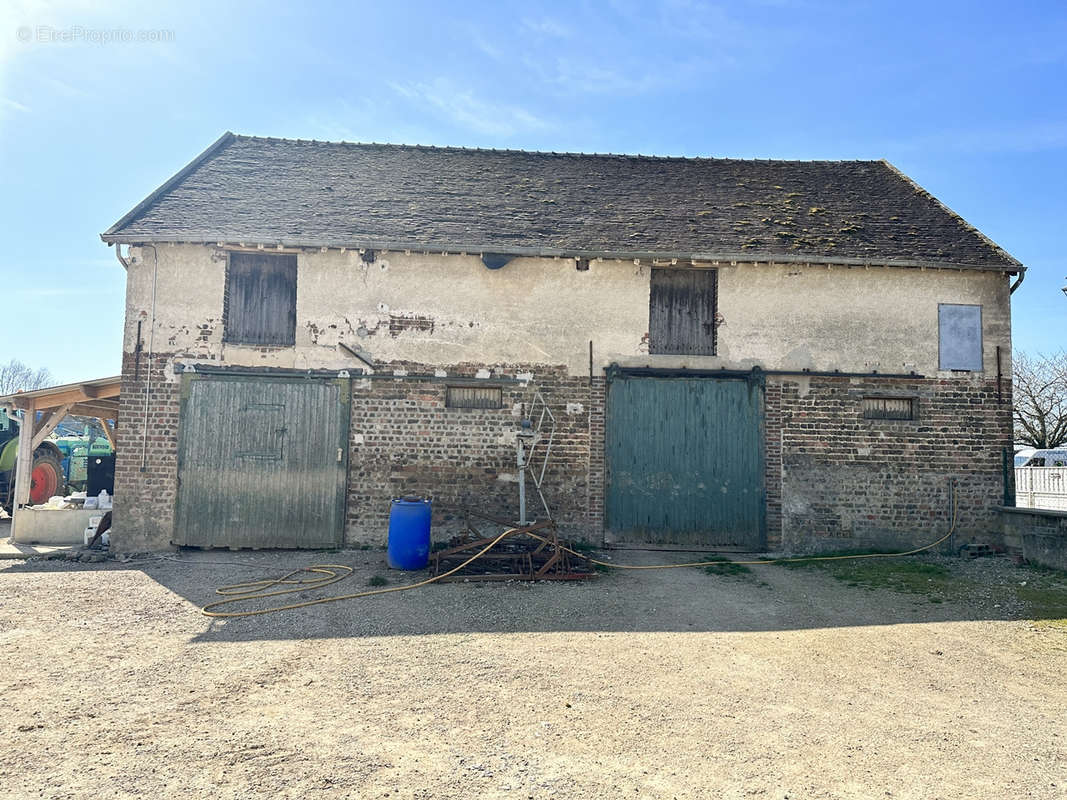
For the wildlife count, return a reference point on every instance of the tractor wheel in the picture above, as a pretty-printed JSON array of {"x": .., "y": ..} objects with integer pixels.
[{"x": 46, "y": 477}]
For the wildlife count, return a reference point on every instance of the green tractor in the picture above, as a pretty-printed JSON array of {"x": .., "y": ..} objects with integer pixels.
[
  {"x": 47, "y": 477},
  {"x": 79, "y": 444}
]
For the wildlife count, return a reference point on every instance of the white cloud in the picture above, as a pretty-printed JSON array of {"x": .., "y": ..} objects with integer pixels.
[
  {"x": 1021, "y": 137},
  {"x": 7, "y": 102},
  {"x": 546, "y": 26},
  {"x": 464, "y": 108},
  {"x": 26, "y": 59},
  {"x": 63, "y": 88},
  {"x": 75, "y": 291},
  {"x": 696, "y": 43}
]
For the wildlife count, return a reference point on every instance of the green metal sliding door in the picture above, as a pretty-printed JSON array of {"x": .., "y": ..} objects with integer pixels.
[{"x": 685, "y": 461}]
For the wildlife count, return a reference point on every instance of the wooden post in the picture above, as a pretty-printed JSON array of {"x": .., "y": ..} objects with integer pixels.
[{"x": 24, "y": 465}]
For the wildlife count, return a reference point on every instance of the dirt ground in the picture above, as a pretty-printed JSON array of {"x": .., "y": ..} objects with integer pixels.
[{"x": 779, "y": 683}]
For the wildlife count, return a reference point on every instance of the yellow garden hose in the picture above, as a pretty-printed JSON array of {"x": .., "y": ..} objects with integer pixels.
[
  {"x": 951, "y": 530},
  {"x": 332, "y": 573},
  {"x": 254, "y": 590}
]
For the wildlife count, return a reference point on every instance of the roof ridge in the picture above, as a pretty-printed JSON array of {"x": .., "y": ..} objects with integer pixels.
[
  {"x": 549, "y": 153},
  {"x": 963, "y": 223}
]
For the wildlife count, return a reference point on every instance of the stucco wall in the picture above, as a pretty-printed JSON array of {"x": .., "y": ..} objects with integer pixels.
[{"x": 444, "y": 310}]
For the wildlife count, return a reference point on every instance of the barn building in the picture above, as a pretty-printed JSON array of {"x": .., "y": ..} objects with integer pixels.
[{"x": 739, "y": 353}]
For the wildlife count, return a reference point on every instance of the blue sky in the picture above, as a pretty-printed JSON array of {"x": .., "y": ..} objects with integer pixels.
[{"x": 968, "y": 98}]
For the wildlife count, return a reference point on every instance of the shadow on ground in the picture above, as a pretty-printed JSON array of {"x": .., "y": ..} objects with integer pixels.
[{"x": 764, "y": 598}]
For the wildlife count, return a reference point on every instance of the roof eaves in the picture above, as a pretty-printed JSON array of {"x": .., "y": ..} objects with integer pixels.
[
  {"x": 959, "y": 219},
  {"x": 8, "y": 399},
  {"x": 174, "y": 180},
  {"x": 268, "y": 243}
]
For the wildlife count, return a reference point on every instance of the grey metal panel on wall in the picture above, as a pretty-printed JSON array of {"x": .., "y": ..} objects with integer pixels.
[
  {"x": 262, "y": 462},
  {"x": 685, "y": 461},
  {"x": 959, "y": 336}
]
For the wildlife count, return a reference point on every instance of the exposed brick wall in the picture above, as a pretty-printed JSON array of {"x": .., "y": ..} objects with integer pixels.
[
  {"x": 143, "y": 518},
  {"x": 405, "y": 440},
  {"x": 597, "y": 465},
  {"x": 833, "y": 479},
  {"x": 772, "y": 455},
  {"x": 848, "y": 481}
]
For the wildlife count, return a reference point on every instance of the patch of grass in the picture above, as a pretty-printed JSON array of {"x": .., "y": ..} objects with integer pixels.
[
  {"x": 805, "y": 562},
  {"x": 1044, "y": 602},
  {"x": 1045, "y": 572},
  {"x": 933, "y": 581},
  {"x": 724, "y": 566},
  {"x": 1028, "y": 591},
  {"x": 378, "y": 580},
  {"x": 1045, "y": 595}
]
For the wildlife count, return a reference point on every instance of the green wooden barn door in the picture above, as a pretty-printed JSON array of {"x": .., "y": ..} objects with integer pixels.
[
  {"x": 262, "y": 462},
  {"x": 685, "y": 461}
]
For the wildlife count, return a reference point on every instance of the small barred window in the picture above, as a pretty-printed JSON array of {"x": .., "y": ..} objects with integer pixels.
[
  {"x": 890, "y": 408},
  {"x": 474, "y": 397}
]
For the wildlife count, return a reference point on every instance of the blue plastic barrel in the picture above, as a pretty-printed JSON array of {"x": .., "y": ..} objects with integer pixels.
[{"x": 409, "y": 533}]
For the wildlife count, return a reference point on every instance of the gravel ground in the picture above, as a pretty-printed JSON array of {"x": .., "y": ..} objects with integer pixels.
[{"x": 675, "y": 683}]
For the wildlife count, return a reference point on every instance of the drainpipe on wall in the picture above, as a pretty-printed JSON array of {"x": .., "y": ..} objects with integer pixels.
[
  {"x": 122, "y": 260},
  {"x": 1018, "y": 282}
]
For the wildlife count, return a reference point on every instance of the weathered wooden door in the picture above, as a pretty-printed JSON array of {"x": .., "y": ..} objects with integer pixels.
[
  {"x": 262, "y": 461},
  {"x": 685, "y": 461}
]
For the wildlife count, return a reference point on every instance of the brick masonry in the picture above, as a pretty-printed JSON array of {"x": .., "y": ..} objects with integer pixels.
[
  {"x": 833, "y": 479},
  {"x": 405, "y": 440},
  {"x": 847, "y": 481},
  {"x": 146, "y": 460}
]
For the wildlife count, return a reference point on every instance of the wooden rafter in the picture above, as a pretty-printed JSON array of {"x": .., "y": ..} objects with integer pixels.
[{"x": 41, "y": 433}]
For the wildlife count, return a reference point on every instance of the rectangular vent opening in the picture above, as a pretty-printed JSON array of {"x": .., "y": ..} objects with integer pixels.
[
  {"x": 474, "y": 397},
  {"x": 904, "y": 408}
]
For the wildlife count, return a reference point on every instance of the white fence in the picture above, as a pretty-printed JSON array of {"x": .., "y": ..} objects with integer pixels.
[{"x": 1041, "y": 487}]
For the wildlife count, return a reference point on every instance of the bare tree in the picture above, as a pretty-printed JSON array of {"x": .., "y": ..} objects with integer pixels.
[
  {"x": 16, "y": 376},
  {"x": 1039, "y": 384}
]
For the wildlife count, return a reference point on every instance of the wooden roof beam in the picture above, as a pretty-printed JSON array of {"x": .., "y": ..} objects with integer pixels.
[
  {"x": 105, "y": 410},
  {"x": 41, "y": 433},
  {"x": 76, "y": 394}
]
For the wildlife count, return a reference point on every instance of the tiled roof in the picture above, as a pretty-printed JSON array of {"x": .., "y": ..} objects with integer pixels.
[{"x": 306, "y": 193}]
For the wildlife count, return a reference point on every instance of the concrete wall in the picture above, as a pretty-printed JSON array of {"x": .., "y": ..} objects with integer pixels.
[
  {"x": 830, "y": 474},
  {"x": 1039, "y": 535}
]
